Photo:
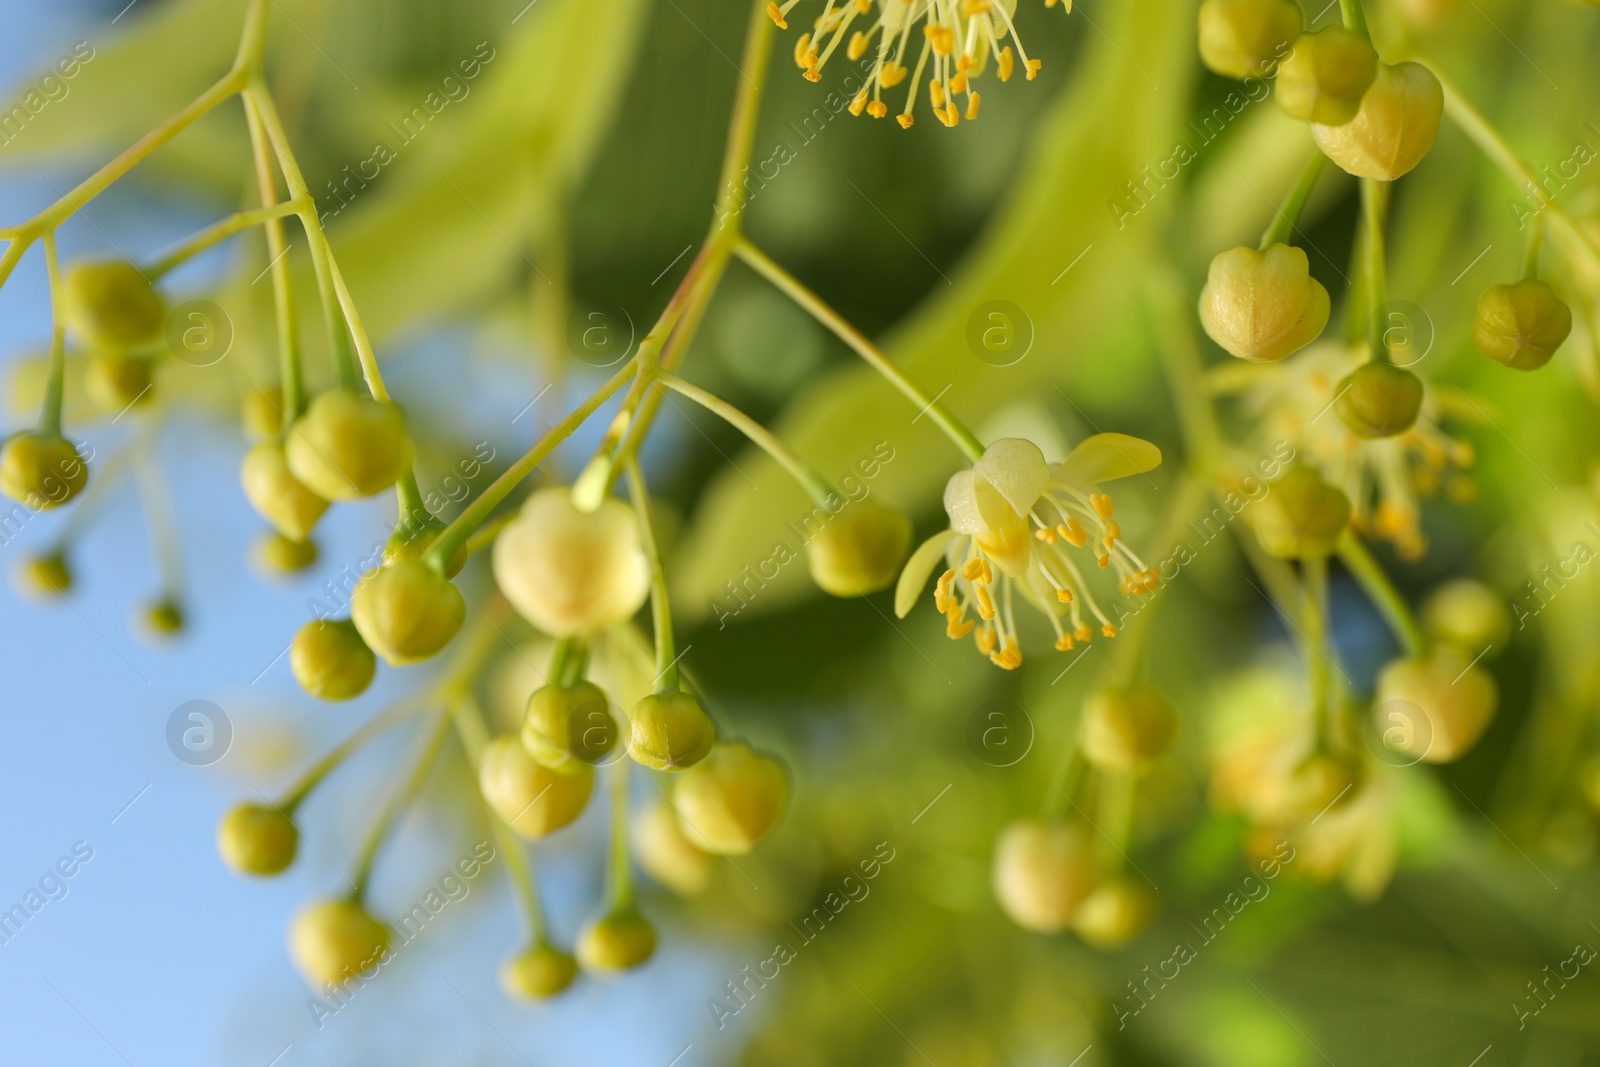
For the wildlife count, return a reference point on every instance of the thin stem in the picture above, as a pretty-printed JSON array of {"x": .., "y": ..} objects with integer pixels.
[
  {"x": 812, "y": 482},
  {"x": 313, "y": 776},
  {"x": 1064, "y": 783},
  {"x": 819, "y": 310},
  {"x": 1115, "y": 815},
  {"x": 1530, "y": 254},
  {"x": 290, "y": 373},
  {"x": 218, "y": 231},
  {"x": 1355, "y": 18},
  {"x": 55, "y": 377},
  {"x": 1374, "y": 214},
  {"x": 1288, "y": 216},
  {"x": 15, "y": 247},
  {"x": 401, "y": 798},
  {"x": 619, "y": 876},
  {"x": 1374, "y": 581},
  {"x": 1314, "y": 619},
  {"x": 660, "y": 606},
  {"x": 746, "y": 113},
  {"x": 1180, "y": 351}
]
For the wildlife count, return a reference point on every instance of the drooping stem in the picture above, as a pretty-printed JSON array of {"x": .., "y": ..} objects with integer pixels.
[
  {"x": 660, "y": 606},
  {"x": 1374, "y": 215},
  {"x": 313, "y": 776},
  {"x": 55, "y": 376},
  {"x": 814, "y": 305},
  {"x": 1530, "y": 253},
  {"x": 746, "y": 112},
  {"x": 432, "y": 742},
  {"x": 1374, "y": 581},
  {"x": 219, "y": 231},
  {"x": 291, "y": 376},
  {"x": 1288, "y": 216},
  {"x": 619, "y": 864}
]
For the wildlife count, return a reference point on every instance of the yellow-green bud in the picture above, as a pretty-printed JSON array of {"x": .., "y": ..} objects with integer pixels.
[
  {"x": 537, "y": 974},
  {"x": 1521, "y": 324},
  {"x": 330, "y": 661},
  {"x": 670, "y": 731},
  {"x": 257, "y": 839},
  {"x": 616, "y": 942},
  {"x": 277, "y": 554},
  {"x": 1114, "y": 914},
  {"x": 534, "y": 799},
  {"x": 860, "y": 550},
  {"x": 1378, "y": 399},
  {"x": 1325, "y": 76},
  {"x": 569, "y": 724},
  {"x": 116, "y": 381},
  {"x": 332, "y": 941},
  {"x": 1261, "y": 306},
  {"x": 410, "y": 541},
  {"x": 1043, "y": 872},
  {"x": 276, "y": 494},
  {"x": 164, "y": 618},
  {"x": 262, "y": 411},
  {"x": 1302, "y": 516},
  {"x": 1127, "y": 729},
  {"x": 1456, "y": 700},
  {"x": 348, "y": 445},
  {"x": 666, "y": 854},
  {"x": 1317, "y": 783},
  {"x": 1245, "y": 38},
  {"x": 1394, "y": 128},
  {"x": 45, "y": 577},
  {"x": 112, "y": 307},
  {"x": 1467, "y": 615},
  {"x": 406, "y": 611},
  {"x": 570, "y": 572},
  {"x": 730, "y": 801},
  {"x": 41, "y": 470}
]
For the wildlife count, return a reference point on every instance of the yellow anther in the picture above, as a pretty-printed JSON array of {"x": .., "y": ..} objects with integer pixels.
[
  {"x": 1045, "y": 534},
  {"x": 986, "y": 639},
  {"x": 777, "y": 16},
  {"x": 802, "y": 51},
  {"x": 1064, "y": 595},
  {"x": 949, "y": 116},
  {"x": 858, "y": 103},
  {"x": 892, "y": 74},
  {"x": 878, "y": 109},
  {"x": 1033, "y": 68},
  {"x": 1102, "y": 559},
  {"x": 1073, "y": 532},
  {"x": 943, "y": 585},
  {"x": 1102, "y": 505},
  {"x": 942, "y": 38},
  {"x": 936, "y": 94},
  {"x": 905, "y": 120},
  {"x": 1006, "y": 63},
  {"x": 858, "y": 45},
  {"x": 958, "y": 84},
  {"x": 965, "y": 63},
  {"x": 985, "y": 602},
  {"x": 1083, "y": 633},
  {"x": 972, "y": 571},
  {"x": 1065, "y": 643},
  {"x": 958, "y": 625},
  {"x": 1113, "y": 531},
  {"x": 1008, "y": 658},
  {"x": 1109, "y": 630},
  {"x": 813, "y": 75},
  {"x": 972, "y": 106}
]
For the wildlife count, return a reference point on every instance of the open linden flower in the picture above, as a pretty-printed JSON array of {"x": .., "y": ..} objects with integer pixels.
[{"x": 1012, "y": 518}]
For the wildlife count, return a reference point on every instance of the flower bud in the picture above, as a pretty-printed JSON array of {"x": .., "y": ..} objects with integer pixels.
[
  {"x": 537, "y": 974},
  {"x": 41, "y": 470},
  {"x": 348, "y": 445},
  {"x": 1302, "y": 516},
  {"x": 1521, "y": 324},
  {"x": 112, "y": 307},
  {"x": 1379, "y": 399},
  {"x": 730, "y": 801},
  {"x": 1127, "y": 729},
  {"x": 406, "y": 611},
  {"x": 331, "y": 941},
  {"x": 45, "y": 577},
  {"x": 1043, "y": 872},
  {"x": 1325, "y": 76},
  {"x": 1394, "y": 127},
  {"x": 257, "y": 839},
  {"x": 116, "y": 381},
  {"x": 330, "y": 661},
  {"x": 1114, "y": 914},
  {"x": 1467, "y": 615},
  {"x": 859, "y": 550},
  {"x": 670, "y": 731},
  {"x": 1261, "y": 306},
  {"x": 411, "y": 540},
  {"x": 277, "y": 554},
  {"x": 666, "y": 854},
  {"x": 531, "y": 797},
  {"x": 276, "y": 494},
  {"x": 1455, "y": 700},
  {"x": 262, "y": 411},
  {"x": 569, "y": 724},
  {"x": 572, "y": 573},
  {"x": 1317, "y": 783},
  {"x": 164, "y": 618},
  {"x": 616, "y": 942},
  {"x": 1244, "y": 38}
]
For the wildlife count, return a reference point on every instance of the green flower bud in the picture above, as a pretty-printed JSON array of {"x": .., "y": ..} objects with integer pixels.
[
  {"x": 730, "y": 801},
  {"x": 1302, "y": 516},
  {"x": 1261, "y": 306},
  {"x": 860, "y": 550},
  {"x": 1521, "y": 324},
  {"x": 1467, "y": 615},
  {"x": 112, "y": 307},
  {"x": 348, "y": 445},
  {"x": 164, "y": 618},
  {"x": 1324, "y": 78},
  {"x": 406, "y": 611},
  {"x": 1127, "y": 729},
  {"x": 262, "y": 411},
  {"x": 331, "y": 941},
  {"x": 616, "y": 942},
  {"x": 257, "y": 839},
  {"x": 1455, "y": 703},
  {"x": 537, "y": 974},
  {"x": 116, "y": 381},
  {"x": 1043, "y": 872},
  {"x": 410, "y": 541},
  {"x": 1244, "y": 38},
  {"x": 1379, "y": 399},
  {"x": 45, "y": 577},
  {"x": 566, "y": 725},
  {"x": 277, "y": 554},
  {"x": 330, "y": 661},
  {"x": 670, "y": 731},
  {"x": 667, "y": 854},
  {"x": 41, "y": 470},
  {"x": 276, "y": 494},
  {"x": 1394, "y": 128},
  {"x": 534, "y": 799},
  {"x": 570, "y": 572},
  {"x": 1114, "y": 914}
]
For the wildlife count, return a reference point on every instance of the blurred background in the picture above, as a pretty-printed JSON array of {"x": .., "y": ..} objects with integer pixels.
[{"x": 511, "y": 247}]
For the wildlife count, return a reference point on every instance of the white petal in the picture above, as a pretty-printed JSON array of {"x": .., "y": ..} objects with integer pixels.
[
  {"x": 915, "y": 576},
  {"x": 1016, "y": 467},
  {"x": 1106, "y": 456},
  {"x": 961, "y": 504}
]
